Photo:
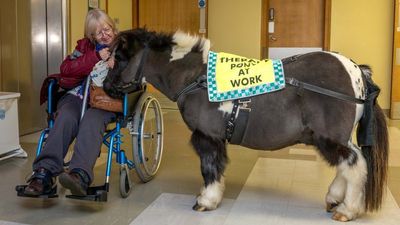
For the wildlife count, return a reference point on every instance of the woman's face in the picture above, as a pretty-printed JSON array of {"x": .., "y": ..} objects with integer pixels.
[{"x": 104, "y": 34}]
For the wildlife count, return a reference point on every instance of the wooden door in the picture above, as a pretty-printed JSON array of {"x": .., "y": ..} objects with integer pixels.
[
  {"x": 294, "y": 26},
  {"x": 395, "y": 100},
  {"x": 170, "y": 15}
]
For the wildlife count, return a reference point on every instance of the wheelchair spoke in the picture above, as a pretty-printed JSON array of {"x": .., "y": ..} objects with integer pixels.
[{"x": 148, "y": 136}]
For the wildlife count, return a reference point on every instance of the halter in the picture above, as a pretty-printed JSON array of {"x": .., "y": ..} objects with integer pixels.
[{"x": 137, "y": 81}]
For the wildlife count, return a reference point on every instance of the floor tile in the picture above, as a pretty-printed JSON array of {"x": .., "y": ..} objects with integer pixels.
[
  {"x": 176, "y": 209},
  {"x": 265, "y": 203}
]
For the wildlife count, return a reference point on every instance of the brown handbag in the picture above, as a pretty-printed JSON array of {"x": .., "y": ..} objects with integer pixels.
[{"x": 99, "y": 99}]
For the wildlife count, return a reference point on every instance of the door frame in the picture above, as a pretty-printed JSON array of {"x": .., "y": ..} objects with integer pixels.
[
  {"x": 395, "y": 76},
  {"x": 264, "y": 27},
  {"x": 135, "y": 13}
]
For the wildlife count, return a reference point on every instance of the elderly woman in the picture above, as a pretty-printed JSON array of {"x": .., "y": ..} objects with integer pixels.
[{"x": 100, "y": 31}]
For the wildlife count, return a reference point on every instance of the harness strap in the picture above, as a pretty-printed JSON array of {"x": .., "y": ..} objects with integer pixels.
[
  {"x": 230, "y": 125},
  {"x": 199, "y": 83},
  {"x": 313, "y": 88},
  {"x": 237, "y": 123},
  {"x": 296, "y": 83}
]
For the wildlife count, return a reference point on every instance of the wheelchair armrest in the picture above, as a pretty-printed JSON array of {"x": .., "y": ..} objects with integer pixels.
[
  {"x": 50, "y": 93},
  {"x": 49, "y": 83}
]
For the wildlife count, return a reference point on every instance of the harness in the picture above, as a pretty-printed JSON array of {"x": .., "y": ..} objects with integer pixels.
[
  {"x": 237, "y": 123},
  {"x": 199, "y": 83},
  {"x": 302, "y": 85}
]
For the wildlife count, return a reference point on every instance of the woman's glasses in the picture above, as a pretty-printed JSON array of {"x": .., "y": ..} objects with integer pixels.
[{"x": 105, "y": 31}]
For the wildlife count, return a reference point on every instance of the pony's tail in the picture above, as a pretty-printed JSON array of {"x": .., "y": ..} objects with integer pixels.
[{"x": 376, "y": 155}]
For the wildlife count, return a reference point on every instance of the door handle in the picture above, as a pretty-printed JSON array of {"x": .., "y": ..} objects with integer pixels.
[{"x": 271, "y": 21}]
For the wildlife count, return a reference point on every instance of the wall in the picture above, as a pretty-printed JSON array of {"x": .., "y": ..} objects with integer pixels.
[
  {"x": 78, "y": 10},
  {"x": 120, "y": 10},
  {"x": 362, "y": 30},
  {"x": 234, "y": 26}
]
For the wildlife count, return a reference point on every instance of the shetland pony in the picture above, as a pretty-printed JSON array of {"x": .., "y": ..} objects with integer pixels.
[{"x": 174, "y": 62}]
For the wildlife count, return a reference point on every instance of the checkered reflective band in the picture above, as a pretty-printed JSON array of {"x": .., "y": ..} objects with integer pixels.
[{"x": 233, "y": 77}]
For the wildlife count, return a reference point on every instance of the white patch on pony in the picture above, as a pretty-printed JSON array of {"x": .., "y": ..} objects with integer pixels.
[
  {"x": 226, "y": 107},
  {"x": 356, "y": 177},
  {"x": 184, "y": 44},
  {"x": 144, "y": 80},
  {"x": 337, "y": 190},
  {"x": 211, "y": 195},
  {"x": 359, "y": 113},
  {"x": 355, "y": 75},
  {"x": 206, "y": 45},
  {"x": 357, "y": 83}
]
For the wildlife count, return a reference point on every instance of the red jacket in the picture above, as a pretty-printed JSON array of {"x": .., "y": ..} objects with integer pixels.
[
  {"x": 81, "y": 62},
  {"x": 78, "y": 65}
]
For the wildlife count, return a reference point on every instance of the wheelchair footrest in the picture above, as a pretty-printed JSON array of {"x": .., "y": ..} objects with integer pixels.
[
  {"x": 96, "y": 193},
  {"x": 21, "y": 188}
]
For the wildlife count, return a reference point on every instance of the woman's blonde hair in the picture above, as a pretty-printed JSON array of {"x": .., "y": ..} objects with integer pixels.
[{"x": 94, "y": 18}]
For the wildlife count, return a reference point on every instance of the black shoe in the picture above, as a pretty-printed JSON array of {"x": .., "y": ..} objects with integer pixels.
[
  {"x": 40, "y": 183},
  {"x": 77, "y": 181}
]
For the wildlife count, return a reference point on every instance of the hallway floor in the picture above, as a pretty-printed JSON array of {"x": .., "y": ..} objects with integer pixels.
[{"x": 281, "y": 187}]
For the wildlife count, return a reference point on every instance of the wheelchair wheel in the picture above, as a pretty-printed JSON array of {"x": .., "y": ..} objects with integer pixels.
[
  {"x": 125, "y": 183},
  {"x": 147, "y": 137}
]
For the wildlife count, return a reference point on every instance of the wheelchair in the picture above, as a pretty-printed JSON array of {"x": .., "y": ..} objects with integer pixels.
[{"x": 143, "y": 121}]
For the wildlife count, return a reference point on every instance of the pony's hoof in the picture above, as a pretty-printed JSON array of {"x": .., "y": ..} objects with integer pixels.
[
  {"x": 330, "y": 207},
  {"x": 199, "y": 208},
  {"x": 340, "y": 217}
]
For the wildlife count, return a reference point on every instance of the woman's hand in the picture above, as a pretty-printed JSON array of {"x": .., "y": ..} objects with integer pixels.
[
  {"x": 104, "y": 54},
  {"x": 110, "y": 62}
]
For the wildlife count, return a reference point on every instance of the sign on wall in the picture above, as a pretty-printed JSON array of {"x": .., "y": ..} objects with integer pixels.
[{"x": 93, "y": 4}]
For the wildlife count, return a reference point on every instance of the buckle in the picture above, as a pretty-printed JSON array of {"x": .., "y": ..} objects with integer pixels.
[
  {"x": 244, "y": 104},
  {"x": 293, "y": 81}
]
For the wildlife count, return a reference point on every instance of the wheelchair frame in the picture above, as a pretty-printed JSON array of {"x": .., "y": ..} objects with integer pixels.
[{"x": 135, "y": 106}]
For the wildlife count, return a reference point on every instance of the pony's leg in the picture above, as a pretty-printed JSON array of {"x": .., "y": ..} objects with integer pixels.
[
  {"x": 213, "y": 159},
  {"x": 354, "y": 172},
  {"x": 336, "y": 192}
]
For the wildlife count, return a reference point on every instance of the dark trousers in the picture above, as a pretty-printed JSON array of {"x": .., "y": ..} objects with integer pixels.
[{"x": 68, "y": 126}]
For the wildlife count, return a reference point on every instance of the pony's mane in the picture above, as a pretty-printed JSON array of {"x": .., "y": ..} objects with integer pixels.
[
  {"x": 181, "y": 43},
  {"x": 156, "y": 41},
  {"x": 185, "y": 43}
]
